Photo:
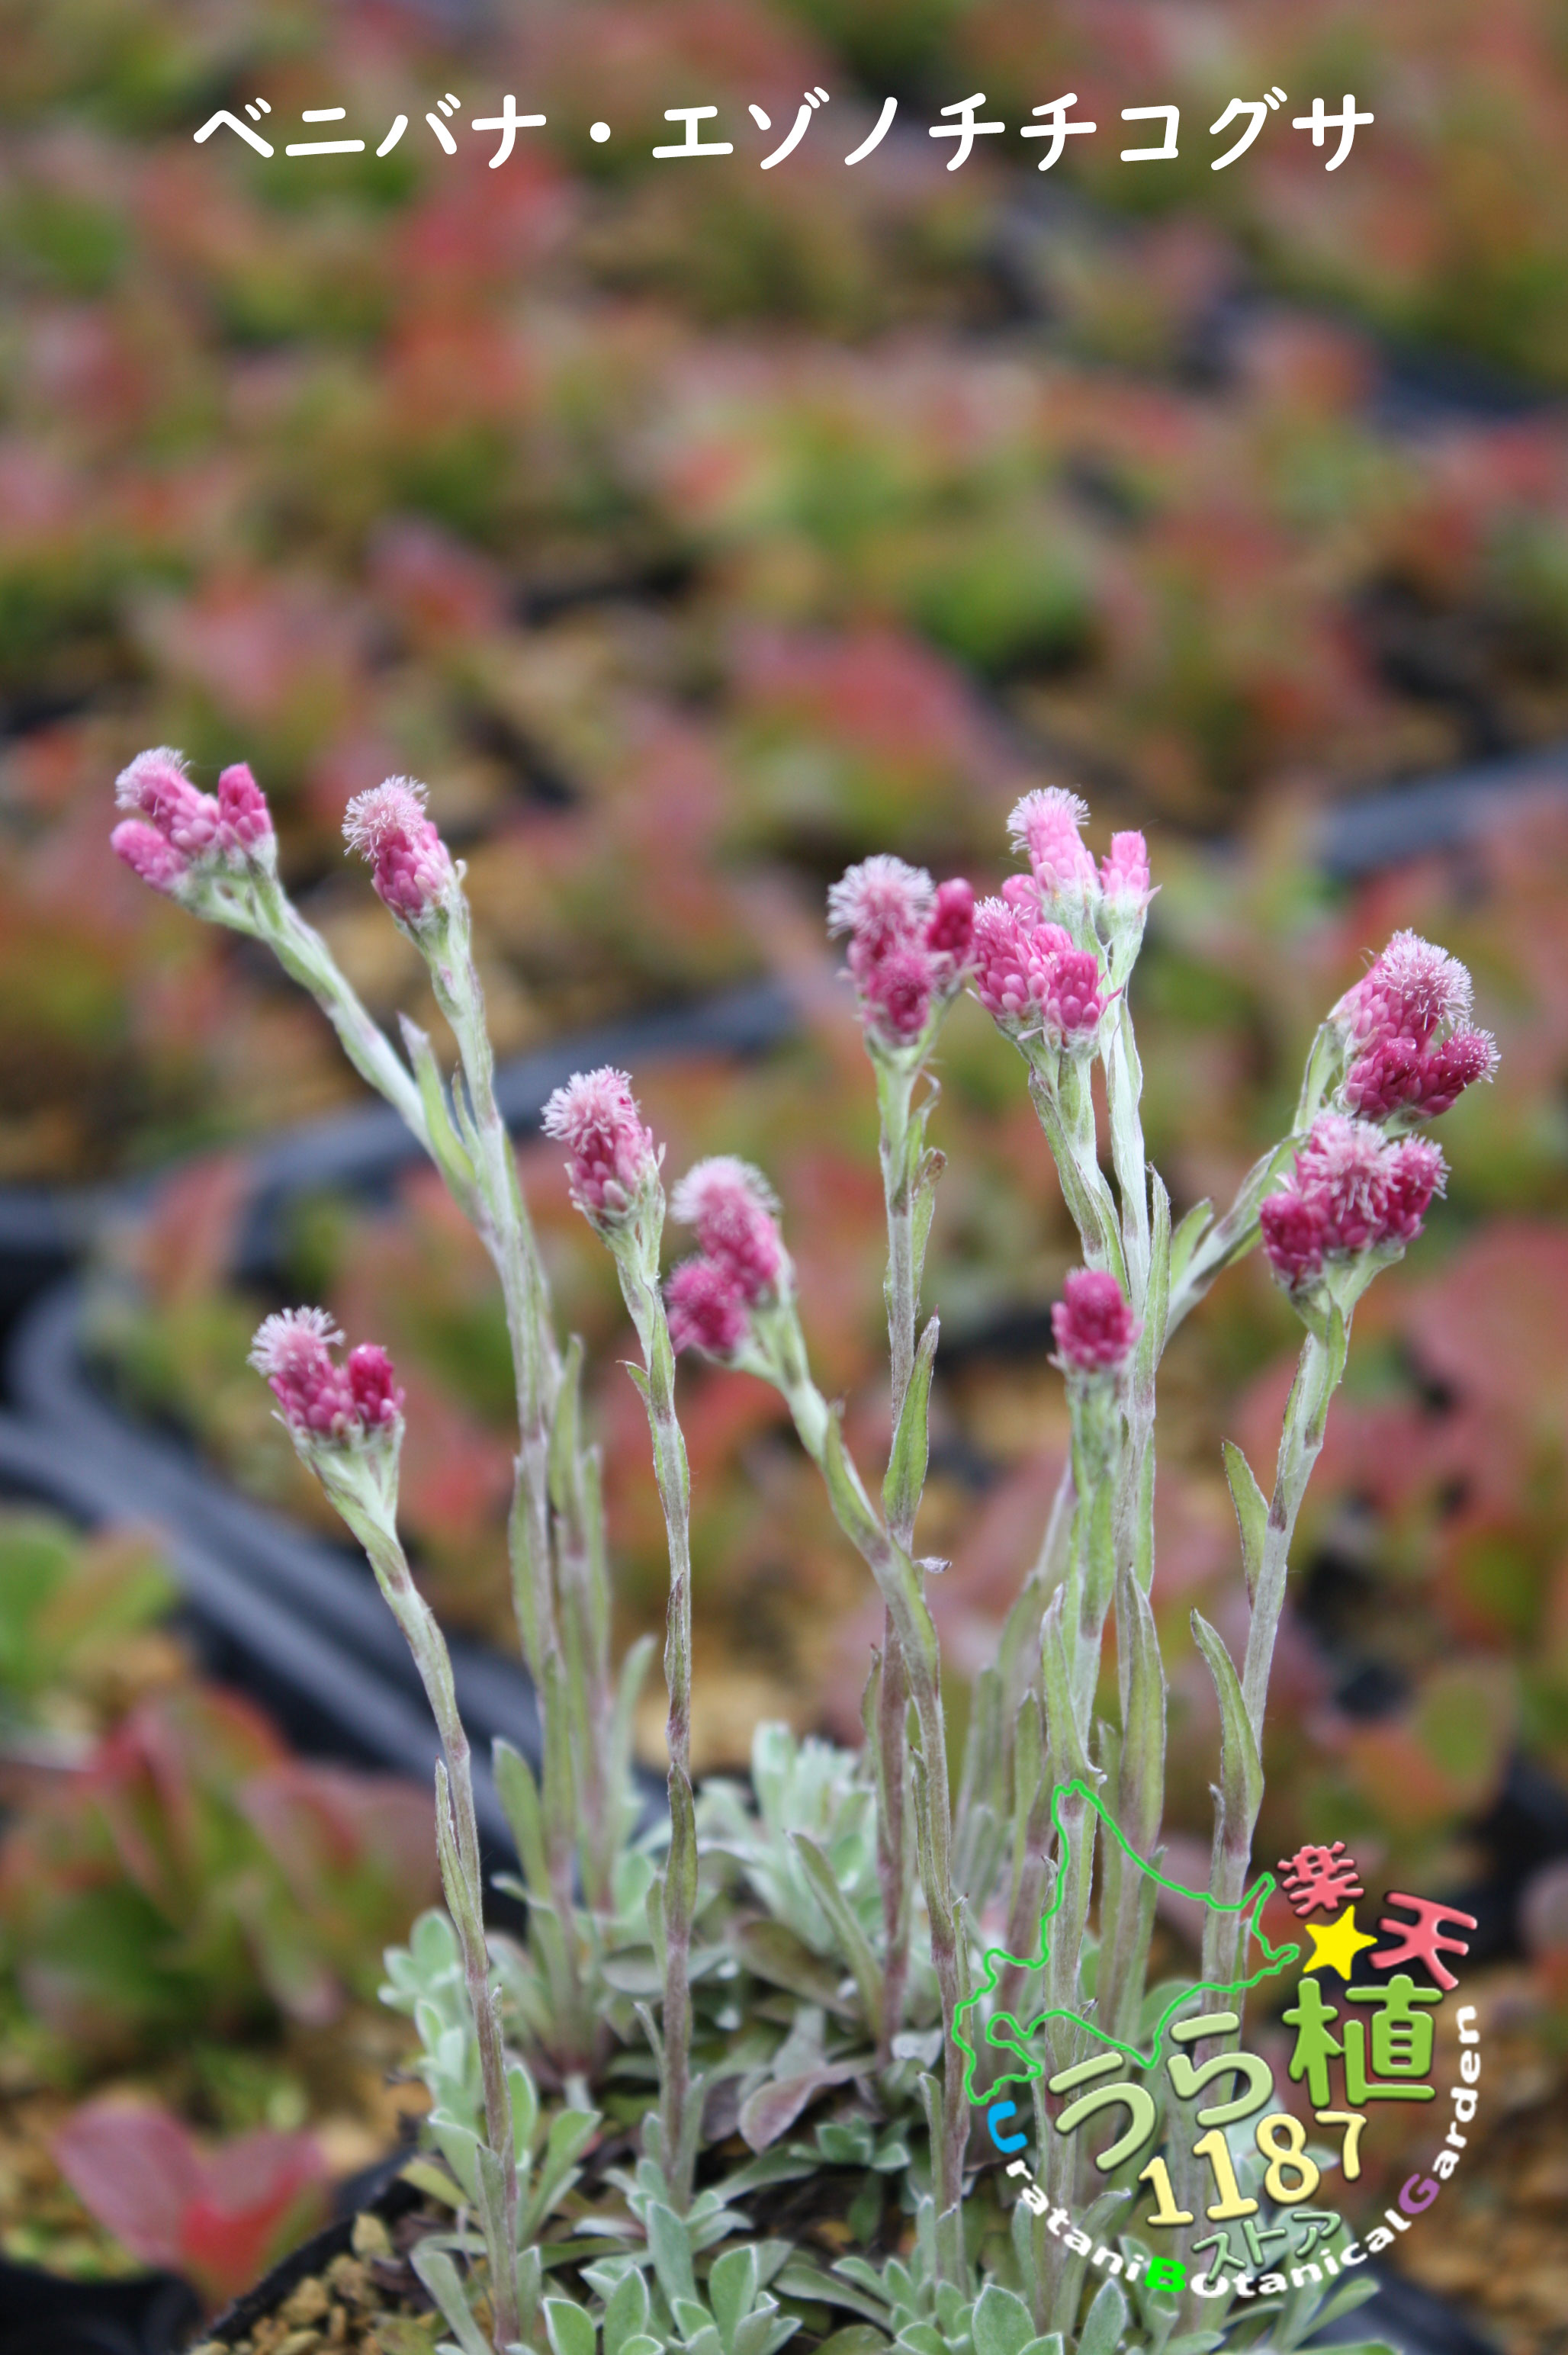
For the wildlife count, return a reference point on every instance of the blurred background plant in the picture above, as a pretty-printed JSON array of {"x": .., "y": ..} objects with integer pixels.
[
  {"x": 191, "y": 1918},
  {"x": 694, "y": 532}
]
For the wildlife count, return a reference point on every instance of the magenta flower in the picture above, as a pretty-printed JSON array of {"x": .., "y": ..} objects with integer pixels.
[
  {"x": 611, "y": 1160},
  {"x": 735, "y": 1214},
  {"x": 951, "y": 926},
  {"x": 707, "y": 1308},
  {"x": 1027, "y": 972},
  {"x": 176, "y": 828},
  {"x": 410, "y": 867},
  {"x": 319, "y": 1398},
  {"x": 1094, "y": 1325},
  {"x": 1048, "y": 825},
  {"x": 1400, "y": 1075},
  {"x": 908, "y": 942},
  {"x": 1409, "y": 991},
  {"x": 1350, "y": 1191}
]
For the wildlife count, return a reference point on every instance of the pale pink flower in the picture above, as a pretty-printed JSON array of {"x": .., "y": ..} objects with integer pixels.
[
  {"x": 1409, "y": 991},
  {"x": 612, "y": 1159},
  {"x": 245, "y": 821},
  {"x": 1094, "y": 1325},
  {"x": 319, "y": 1398},
  {"x": 882, "y": 900},
  {"x": 1049, "y": 825},
  {"x": 735, "y": 1214},
  {"x": 1123, "y": 871},
  {"x": 410, "y": 867},
  {"x": 149, "y": 854},
  {"x": 707, "y": 1308},
  {"x": 155, "y": 786},
  {"x": 1341, "y": 1170}
]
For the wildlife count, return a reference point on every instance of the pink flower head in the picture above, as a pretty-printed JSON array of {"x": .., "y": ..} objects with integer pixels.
[
  {"x": 951, "y": 926},
  {"x": 1411, "y": 990},
  {"x": 155, "y": 786},
  {"x": 735, "y": 1214},
  {"x": 881, "y": 901},
  {"x": 1123, "y": 871},
  {"x": 707, "y": 1308},
  {"x": 1094, "y": 1325},
  {"x": 1049, "y": 825},
  {"x": 149, "y": 854},
  {"x": 1028, "y": 973},
  {"x": 1350, "y": 1192},
  {"x": 612, "y": 1159},
  {"x": 245, "y": 823},
  {"x": 410, "y": 867},
  {"x": 1397, "y": 1075},
  {"x": 319, "y": 1398}
]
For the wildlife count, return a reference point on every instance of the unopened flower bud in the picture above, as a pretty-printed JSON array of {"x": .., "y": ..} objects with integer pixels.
[
  {"x": 1093, "y": 1325},
  {"x": 707, "y": 1308},
  {"x": 951, "y": 927},
  {"x": 1123, "y": 871},
  {"x": 410, "y": 867},
  {"x": 734, "y": 1211},
  {"x": 612, "y": 1159},
  {"x": 149, "y": 855},
  {"x": 245, "y": 823},
  {"x": 1415, "y": 1172},
  {"x": 1029, "y": 976}
]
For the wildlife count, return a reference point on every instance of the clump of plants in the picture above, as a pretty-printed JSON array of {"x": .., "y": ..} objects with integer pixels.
[{"x": 724, "y": 2092}]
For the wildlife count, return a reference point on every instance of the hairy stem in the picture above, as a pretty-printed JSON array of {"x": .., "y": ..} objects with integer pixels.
[
  {"x": 637, "y": 1262},
  {"x": 464, "y": 1882},
  {"x": 899, "y": 1583}
]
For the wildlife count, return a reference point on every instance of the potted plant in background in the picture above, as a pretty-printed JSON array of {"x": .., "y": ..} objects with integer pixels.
[{"x": 767, "y": 2023}]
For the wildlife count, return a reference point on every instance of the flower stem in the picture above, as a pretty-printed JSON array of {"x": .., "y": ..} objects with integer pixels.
[
  {"x": 637, "y": 1258},
  {"x": 463, "y": 1882}
]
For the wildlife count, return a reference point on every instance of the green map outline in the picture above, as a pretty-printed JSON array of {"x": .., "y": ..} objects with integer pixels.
[{"x": 998, "y": 1959}]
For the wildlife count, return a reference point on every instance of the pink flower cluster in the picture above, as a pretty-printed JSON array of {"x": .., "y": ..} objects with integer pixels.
[
  {"x": 319, "y": 1397},
  {"x": 740, "y": 1256},
  {"x": 1047, "y": 826},
  {"x": 1352, "y": 1191},
  {"x": 1028, "y": 973},
  {"x": 1093, "y": 1325},
  {"x": 909, "y": 942},
  {"x": 176, "y": 826},
  {"x": 410, "y": 867},
  {"x": 611, "y": 1156},
  {"x": 1407, "y": 1022}
]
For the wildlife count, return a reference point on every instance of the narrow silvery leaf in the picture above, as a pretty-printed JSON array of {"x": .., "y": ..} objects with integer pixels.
[
  {"x": 853, "y": 1943},
  {"x": 1241, "y": 1770},
  {"x": 906, "y": 1464},
  {"x": 442, "y": 2278},
  {"x": 519, "y": 1794},
  {"x": 1252, "y": 1512}
]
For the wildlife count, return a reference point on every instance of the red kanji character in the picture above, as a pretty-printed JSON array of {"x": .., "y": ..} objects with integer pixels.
[
  {"x": 1322, "y": 1877},
  {"x": 1423, "y": 1935}
]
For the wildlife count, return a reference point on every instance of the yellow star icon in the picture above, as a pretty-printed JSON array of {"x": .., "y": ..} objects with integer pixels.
[{"x": 1336, "y": 1945}]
